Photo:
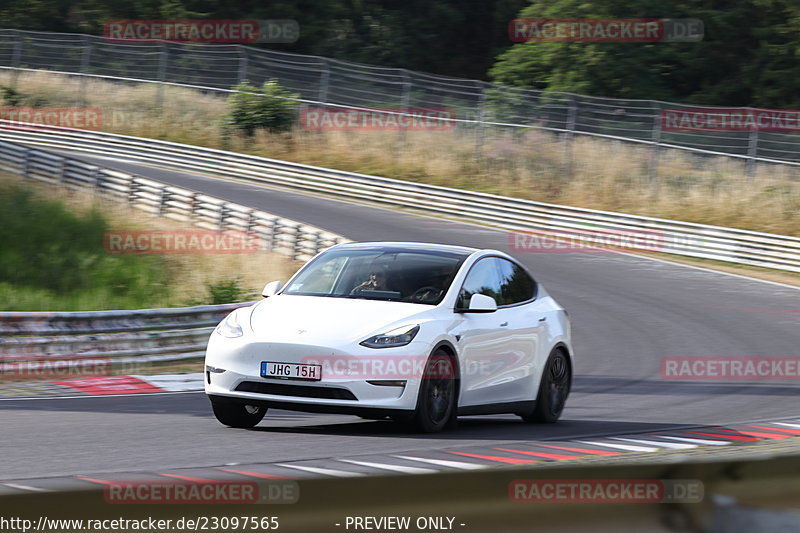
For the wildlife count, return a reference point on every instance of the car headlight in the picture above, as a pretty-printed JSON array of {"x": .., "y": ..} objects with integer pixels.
[
  {"x": 230, "y": 326},
  {"x": 391, "y": 339}
]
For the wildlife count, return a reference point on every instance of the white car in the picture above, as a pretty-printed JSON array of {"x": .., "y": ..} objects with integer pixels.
[{"x": 419, "y": 333}]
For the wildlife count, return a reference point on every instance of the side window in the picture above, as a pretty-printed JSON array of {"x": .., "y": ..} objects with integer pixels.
[
  {"x": 515, "y": 284},
  {"x": 483, "y": 278}
]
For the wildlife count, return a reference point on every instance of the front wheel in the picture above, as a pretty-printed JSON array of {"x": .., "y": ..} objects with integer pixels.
[
  {"x": 436, "y": 401},
  {"x": 553, "y": 390},
  {"x": 237, "y": 415}
]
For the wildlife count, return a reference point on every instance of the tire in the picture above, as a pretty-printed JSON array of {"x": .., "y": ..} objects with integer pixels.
[
  {"x": 436, "y": 400},
  {"x": 553, "y": 390},
  {"x": 237, "y": 415}
]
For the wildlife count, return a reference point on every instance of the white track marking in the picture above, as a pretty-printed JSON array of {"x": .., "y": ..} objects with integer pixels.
[
  {"x": 698, "y": 441},
  {"x": 626, "y": 447},
  {"x": 657, "y": 443},
  {"x": 25, "y": 487},
  {"x": 443, "y": 462},
  {"x": 787, "y": 425},
  {"x": 323, "y": 471},
  {"x": 393, "y": 468}
]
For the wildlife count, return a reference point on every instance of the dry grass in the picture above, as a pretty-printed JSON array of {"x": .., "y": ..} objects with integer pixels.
[
  {"x": 607, "y": 175},
  {"x": 192, "y": 273}
]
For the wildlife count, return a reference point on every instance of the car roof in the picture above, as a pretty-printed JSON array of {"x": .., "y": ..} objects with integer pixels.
[{"x": 408, "y": 246}]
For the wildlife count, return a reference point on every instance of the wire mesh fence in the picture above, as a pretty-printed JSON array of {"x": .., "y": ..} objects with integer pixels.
[{"x": 471, "y": 104}]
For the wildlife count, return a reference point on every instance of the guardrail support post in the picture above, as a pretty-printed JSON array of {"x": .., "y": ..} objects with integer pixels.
[
  {"x": 26, "y": 163},
  {"x": 223, "y": 214},
  {"x": 62, "y": 171},
  {"x": 16, "y": 59},
  {"x": 162, "y": 201}
]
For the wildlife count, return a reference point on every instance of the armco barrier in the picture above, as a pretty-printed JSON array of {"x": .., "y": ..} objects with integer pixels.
[
  {"x": 44, "y": 341},
  {"x": 297, "y": 240},
  {"x": 681, "y": 238}
]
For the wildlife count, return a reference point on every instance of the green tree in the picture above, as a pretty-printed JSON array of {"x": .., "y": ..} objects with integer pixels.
[{"x": 749, "y": 54}]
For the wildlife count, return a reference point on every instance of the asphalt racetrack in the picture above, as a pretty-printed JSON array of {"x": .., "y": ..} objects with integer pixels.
[{"x": 628, "y": 314}]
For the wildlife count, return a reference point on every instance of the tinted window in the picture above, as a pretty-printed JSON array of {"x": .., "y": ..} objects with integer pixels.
[
  {"x": 400, "y": 275},
  {"x": 483, "y": 278},
  {"x": 515, "y": 284}
]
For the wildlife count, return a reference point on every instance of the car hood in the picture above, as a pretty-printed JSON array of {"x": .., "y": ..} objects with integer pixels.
[{"x": 329, "y": 321}]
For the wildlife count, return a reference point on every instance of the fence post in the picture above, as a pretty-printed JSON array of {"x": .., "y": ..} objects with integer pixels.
[
  {"x": 16, "y": 59},
  {"x": 655, "y": 151},
  {"x": 324, "y": 82},
  {"x": 752, "y": 153},
  {"x": 405, "y": 102},
  {"x": 242, "y": 63},
  {"x": 162, "y": 74},
  {"x": 479, "y": 125},
  {"x": 572, "y": 118},
  {"x": 85, "y": 64}
]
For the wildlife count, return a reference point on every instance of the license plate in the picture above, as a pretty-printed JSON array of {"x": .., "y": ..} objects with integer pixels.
[{"x": 270, "y": 369}]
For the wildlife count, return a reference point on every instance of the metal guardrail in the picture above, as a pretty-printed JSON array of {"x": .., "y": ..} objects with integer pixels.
[
  {"x": 70, "y": 344},
  {"x": 297, "y": 240},
  {"x": 680, "y": 238}
]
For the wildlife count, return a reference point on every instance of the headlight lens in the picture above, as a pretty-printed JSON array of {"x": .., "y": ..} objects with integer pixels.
[
  {"x": 230, "y": 326},
  {"x": 391, "y": 339}
]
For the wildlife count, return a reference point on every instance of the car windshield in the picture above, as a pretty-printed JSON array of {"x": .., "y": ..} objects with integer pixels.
[{"x": 379, "y": 274}]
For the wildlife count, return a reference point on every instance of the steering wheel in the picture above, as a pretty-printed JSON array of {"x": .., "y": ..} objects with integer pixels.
[{"x": 418, "y": 294}]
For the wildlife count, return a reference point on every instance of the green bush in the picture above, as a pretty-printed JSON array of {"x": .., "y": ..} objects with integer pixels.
[
  {"x": 271, "y": 108},
  {"x": 53, "y": 259}
]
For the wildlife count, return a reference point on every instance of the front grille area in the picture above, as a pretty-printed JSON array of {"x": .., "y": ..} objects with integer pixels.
[{"x": 303, "y": 391}]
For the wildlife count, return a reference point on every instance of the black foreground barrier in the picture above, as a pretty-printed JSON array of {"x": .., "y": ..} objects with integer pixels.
[{"x": 723, "y": 495}]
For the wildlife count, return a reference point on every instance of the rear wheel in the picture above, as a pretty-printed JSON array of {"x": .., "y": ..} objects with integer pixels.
[
  {"x": 237, "y": 415},
  {"x": 553, "y": 390},
  {"x": 436, "y": 401}
]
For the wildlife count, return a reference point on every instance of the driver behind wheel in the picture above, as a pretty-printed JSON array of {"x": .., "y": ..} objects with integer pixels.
[{"x": 378, "y": 281}]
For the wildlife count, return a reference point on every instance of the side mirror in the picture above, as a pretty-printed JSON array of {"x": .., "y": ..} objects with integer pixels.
[
  {"x": 480, "y": 303},
  {"x": 271, "y": 288}
]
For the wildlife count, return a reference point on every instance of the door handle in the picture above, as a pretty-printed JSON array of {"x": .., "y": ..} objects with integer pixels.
[
  {"x": 504, "y": 324},
  {"x": 544, "y": 318}
]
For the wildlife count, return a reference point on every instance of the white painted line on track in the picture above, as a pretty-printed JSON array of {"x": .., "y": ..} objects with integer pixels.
[
  {"x": 444, "y": 462},
  {"x": 393, "y": 468},
  {"x": 26, "y": 487},
  {"x": 671, "y": 445},
  {"x": 625, "y": 447},
  {"x": 787, "y": 425},
  {"x": 698, "y": 441},
  {"x": 323, "y": 471}
]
